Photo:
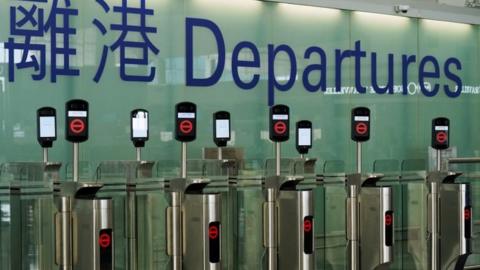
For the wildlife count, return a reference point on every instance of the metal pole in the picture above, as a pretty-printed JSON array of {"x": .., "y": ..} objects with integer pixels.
[
  {"x": 277, "y": 158},
  {"x": 434, "y": 226},
  {"x": 177, "y": 249},
  {"x": 271, "y": 229},
  {"x": 76, "y": 150},
  {"x": 272, "y": 241},
  {"x": 45, "y": 155},
  {"x": 184, "y": 161},
  {"x": 131, "y": 227},
  {"x": 302, "y": 156},
  {"x": 64, "y": 256},
  {"x": 139, "y": 153},
  {"x": 220, "y": 153},
  {"x": 439, "y": 160},
  {"x": 359, "y": 157},
  {"x": 177, "y": 198},
  {"x": 354, "y": 229}
]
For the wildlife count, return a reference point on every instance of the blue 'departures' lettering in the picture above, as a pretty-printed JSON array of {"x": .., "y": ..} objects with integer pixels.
[
  {"x": 28, "y": 21},
  {"x": 272, "y": 80},
  {"x": 237, "y": 63},
  {"x": 215, "y": 77},
  {"x": 314, "y": 68},
  {"x": 125, "y": 41},
  {"x": 428, "y": 68}
]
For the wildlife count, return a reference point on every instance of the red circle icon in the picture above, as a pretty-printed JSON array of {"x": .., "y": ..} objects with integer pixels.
[
  {"x": 361, "y": 128},
  {"x": 105, "y": 240},
  {"x": 307, "y": 225},
  {"x": 467, "y": 214},
  {"x": 213, "y": 232},
  {"x": 280, "y": 127},
  {"x": 186, "y": 126},
  {"x": 388, "y": 220},
  {"x": 77, "y": 126},
  {"x": 442, "y": 137}
]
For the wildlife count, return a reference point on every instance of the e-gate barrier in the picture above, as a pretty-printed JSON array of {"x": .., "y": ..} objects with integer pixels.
[
  {"x": 83, "y": 222},
  {"x": 288, "y": 211},
  {"x": 30, "y": 197},
  {"x": 194, "y": 218},
  {"x": 130, "y": 171},
  {"x": 227, "y": 167},
  {"x": 449, "y": 209},
  {"x": 369, "y": 208},
  {"x": 84, "y": 231}
]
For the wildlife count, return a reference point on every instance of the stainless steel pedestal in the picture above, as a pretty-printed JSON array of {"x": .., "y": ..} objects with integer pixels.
[
  {"x": 370, "y": 223},
  {"x": 296, "y": 230},
  {"x": 202, "y": 232},
  {"x": 376, "y": 228},
  {"x": 449, "y": 221},
  {"x": 83, "y": 228}
]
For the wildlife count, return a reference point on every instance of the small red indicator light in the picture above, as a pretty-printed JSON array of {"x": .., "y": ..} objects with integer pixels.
[
  {"x": 77, "y": 126},
  {"x": 388, "y": 220},
  {"x": 186, "y": 126},
  {"x": 361, "y": 128},
  {"x": 442, "y": 137},
  {"x": 280, "y": 127},
  {"x": 213, "y": 232},
  {"x": 467, "y": 214},
  {"x": 105, "y": 240},
  {"x": 307, "y": 225}
]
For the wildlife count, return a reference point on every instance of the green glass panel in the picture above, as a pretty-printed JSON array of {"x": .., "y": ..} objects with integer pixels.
[{"x": 401, "y": 123}]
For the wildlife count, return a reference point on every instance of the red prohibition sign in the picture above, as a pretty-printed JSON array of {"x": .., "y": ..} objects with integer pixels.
[
  {"x": 105, "y": 240},
  {"x": 467, "y": 214},
  {"x": 388, "y": 220},
  {"x": 213, "y": 232},
  {"x": 442, "y": 137},
  {"x": 186, "y": 126},
  {"x": 280, "y": 127},
  {"x": 361, "y": 128},
  {"x": 77, "y": 126},
  {"x": 307, "y": 225}
]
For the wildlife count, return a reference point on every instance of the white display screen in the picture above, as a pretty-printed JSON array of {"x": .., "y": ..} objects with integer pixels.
[
  {"x": 362, "y": 118},
  {"x": 222, "y": 129},
  {"x": 47, "y": 127},
  {"x": 186, "y": 115},
  {"x": 304, "y": 136},
  {"x": 140, "y": 125},
  {"x": 77, "y": 113},
  {"x": 441, "y": 128},
  {"x": 280, "y": 117}
]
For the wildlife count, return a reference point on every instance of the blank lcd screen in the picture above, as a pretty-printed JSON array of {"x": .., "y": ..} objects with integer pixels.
[
  {"x": 441, "y": 128},
  {"x": 47, "y": 127},
  {"x": 304, "y": 137},
  {"x": 140, "y": 125},
  {"x": 186, "y": 115},
  {"x": 222, "y": 129}
]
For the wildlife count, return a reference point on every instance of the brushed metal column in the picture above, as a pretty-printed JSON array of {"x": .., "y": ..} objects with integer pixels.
[
  {"x": 271, "y": 233},
  {"x": 76, "y": 160},
  {"x": 64, "y": 245},
  {"x": 353, "y": 228},
  {"x": 434, "y": 241},
  {"x": 131, "y": 229}
]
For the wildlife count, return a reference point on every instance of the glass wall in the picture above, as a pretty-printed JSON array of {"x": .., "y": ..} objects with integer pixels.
[
  {"x": 242, "y": 56},
  {"x": 400, "y": 122}
]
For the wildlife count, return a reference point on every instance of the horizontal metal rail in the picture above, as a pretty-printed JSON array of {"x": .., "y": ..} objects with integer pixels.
[{"x": 464, "y": 160}]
